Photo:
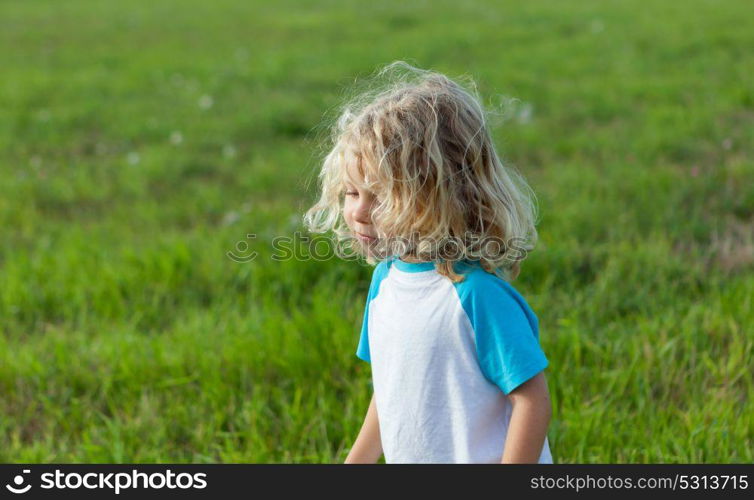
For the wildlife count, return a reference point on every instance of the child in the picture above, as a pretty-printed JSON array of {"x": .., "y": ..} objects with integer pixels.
[{"x": 414, "y": 181}]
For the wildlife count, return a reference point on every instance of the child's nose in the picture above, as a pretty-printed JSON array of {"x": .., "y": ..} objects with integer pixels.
[{"x": 362, "y": 213}]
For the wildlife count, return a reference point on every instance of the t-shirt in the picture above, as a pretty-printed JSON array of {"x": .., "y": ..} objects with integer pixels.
[{"x": 444, "y": 357}]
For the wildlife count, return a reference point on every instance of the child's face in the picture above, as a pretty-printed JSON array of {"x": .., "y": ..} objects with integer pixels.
[{"x": 357, "y": 211}]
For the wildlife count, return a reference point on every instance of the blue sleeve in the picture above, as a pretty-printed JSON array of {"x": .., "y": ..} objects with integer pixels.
[
  {"x": 506, "y": 331},
  {"x": 362, "y": 351}
]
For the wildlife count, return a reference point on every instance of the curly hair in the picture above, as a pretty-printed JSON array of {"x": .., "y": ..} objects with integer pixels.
[{"x": 422, "y": 146}]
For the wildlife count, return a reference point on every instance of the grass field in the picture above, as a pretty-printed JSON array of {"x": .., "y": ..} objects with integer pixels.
[{"x": 138, "y": 145}]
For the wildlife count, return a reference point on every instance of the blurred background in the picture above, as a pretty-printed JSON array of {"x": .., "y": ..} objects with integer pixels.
[{"x": 142, "y": 142}]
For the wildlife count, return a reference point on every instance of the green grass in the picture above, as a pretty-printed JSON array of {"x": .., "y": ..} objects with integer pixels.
[{"x": 129, "y": 336}]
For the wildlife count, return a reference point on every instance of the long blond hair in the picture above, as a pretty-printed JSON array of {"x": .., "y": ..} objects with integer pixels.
[{"x": 422, "y": 146}]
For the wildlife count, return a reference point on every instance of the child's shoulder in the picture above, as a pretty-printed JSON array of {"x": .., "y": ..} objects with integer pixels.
[
  {"x": 488, "y": 293},
  {"x": 379, "y": 273},
  {"x": 477, "y": 281},
  {"x": 381, "y": 269}
]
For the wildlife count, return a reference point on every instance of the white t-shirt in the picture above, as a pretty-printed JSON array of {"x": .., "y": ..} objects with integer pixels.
[{"x": 444, "y": 358}]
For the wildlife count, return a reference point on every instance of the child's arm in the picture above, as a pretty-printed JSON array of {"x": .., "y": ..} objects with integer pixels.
[
  {"x": 529, "y": 421},
  {"x": 368, "y": 447}
]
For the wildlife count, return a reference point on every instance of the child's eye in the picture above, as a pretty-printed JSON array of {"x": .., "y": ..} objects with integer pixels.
[{"x": 352, "y": 193}]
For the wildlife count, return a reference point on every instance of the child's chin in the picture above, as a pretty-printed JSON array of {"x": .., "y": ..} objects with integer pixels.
[{"x": 370, "y": 248}]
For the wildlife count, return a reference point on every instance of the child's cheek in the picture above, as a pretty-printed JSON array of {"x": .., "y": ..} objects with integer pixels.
[
  {"x": 345, "y": 208},
  {"x": 346, "y": 214}
]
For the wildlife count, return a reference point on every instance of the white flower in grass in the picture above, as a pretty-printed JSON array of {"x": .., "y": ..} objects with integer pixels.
[
  {"x": 133, "y": 158},
  {"x": 230, "y": 218},
  {"x": 229, "y": 151},
  {"x": 176, "y": 138},
  {"x": 294, "y": 222},
  {"x": 206, "y": 101},
  {"x": 524, "y": 113}
]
